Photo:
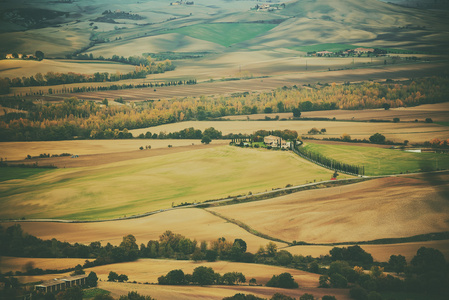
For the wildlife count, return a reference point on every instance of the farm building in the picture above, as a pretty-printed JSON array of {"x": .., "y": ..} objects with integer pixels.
[
  {"x": 275, "y": 141},
  {"x": 60, "y": 284},
  {"x": 363, "y": 50}
]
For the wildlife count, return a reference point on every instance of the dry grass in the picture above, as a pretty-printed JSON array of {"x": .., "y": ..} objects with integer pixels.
[
  {"x": 18, "y": 263},
  {"x": 137, "y": 186},
  {"x": 382, "y": 208},
  {"x": 398, "y": 132},
  {"x": 19, "y": 68},
  {"x": 193, "y": 223},
  {"x": 19, "y": 150}
]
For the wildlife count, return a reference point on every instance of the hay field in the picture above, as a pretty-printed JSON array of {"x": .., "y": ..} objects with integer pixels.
[
  {"x": 380, "y": 253},
  {"x": 8, "y": 263},
  {"x": 193, "y": 223},
  {"x": 380, "y": 161},
  {"x": 437, "y": 112},
  {"x": 215, "y": 292},
  {"x": 382, "y": 208},
  {"x": 142, "y": 185},
  {"x": 17, "y": 68},
  {"x": 398, "y": 132},
  {"x": 19, "y": 150}
]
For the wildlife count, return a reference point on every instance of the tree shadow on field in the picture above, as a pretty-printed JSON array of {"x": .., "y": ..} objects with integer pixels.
[{"x": 439, "y": 181}]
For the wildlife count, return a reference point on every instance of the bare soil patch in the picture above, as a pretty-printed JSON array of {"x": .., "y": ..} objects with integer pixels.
[{"x": 382, "y": 208}]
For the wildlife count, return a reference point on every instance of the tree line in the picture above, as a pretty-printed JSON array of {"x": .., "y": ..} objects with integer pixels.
[
  {"x": 329, "y": 162},
  {"x": 427, "y": 272},
  {"x": 55, "y": 78},
  {"x": 84, "y": 119}
]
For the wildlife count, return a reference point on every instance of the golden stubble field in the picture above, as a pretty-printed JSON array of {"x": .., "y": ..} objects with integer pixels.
[
  {"x": 382, "y": 208},
  {"x": 193, "y": 223},
  {"x": 397, "y": 132}
]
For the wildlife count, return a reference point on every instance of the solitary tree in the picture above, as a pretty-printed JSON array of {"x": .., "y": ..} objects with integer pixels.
[
  {"x": 377, "y": 138},
  {"x": 386, "y": 106},
  {"x": 206, "y": 140}
]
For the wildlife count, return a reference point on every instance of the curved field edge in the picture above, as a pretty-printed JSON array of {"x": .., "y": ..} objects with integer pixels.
[
  {"x": 379, "y": 161},
  {"x": 136, "y": 186}
]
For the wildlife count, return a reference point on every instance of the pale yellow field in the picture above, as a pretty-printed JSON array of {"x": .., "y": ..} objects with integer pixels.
[
  {"x": 17, "y": 68},
  {"x": 193, "y": 223},
  {"x": 18, "y": 263},
  {"x": 398, "y": 132},
  {"x": 381, "y": 208},
  {"x": 19, "y": 150}
]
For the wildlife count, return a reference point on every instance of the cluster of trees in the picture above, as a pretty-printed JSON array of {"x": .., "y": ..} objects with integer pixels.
[
  {"x": 284, "y": 280},
  {"x": 15, "y": 242},
  {"x": 329, "y": 162},
  {"x": 188, "y": 133},
  {"x": 34, "y": 126},
  {"x": 437, "y": 143},
  {"x": 115, "y": 277},
  {"x": 201, "y": 276},
  {"x": 277, "y": 296},
  {"x": 427, "y": 273}
]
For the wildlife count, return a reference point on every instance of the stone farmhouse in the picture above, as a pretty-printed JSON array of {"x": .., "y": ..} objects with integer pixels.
[
  {"x": 60, "y": 284},
  {"x": 275, "y": 141}
]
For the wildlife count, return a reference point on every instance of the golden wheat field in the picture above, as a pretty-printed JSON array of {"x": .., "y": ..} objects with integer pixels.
[{"x": 382, "y": 208}]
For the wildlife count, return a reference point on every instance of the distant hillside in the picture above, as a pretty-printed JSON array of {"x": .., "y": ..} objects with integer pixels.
[
  {"x": 426, "y": 4},
  {"x": 367, "y": 22}
]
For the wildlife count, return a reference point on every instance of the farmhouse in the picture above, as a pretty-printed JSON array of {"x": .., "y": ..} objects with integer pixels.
[
  {"x": 324, "y": 53},
  {"x": 275, "y": 141},
  {"x": 60, "y": 284},
  {"x": 363, "y": 50}
]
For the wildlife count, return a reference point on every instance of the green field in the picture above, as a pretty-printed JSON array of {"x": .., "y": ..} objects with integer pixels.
[
  {"x": 137, "y": 186},
  {"x": 380, "y": 161},
  {"x": 224, "y": 34},
  {"x": 91, "y": 293}
]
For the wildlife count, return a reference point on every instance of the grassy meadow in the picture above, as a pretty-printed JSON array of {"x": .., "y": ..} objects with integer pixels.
[
  {"x": 141, "y": 185},
  {"x": 379, "y": 161},
  {"x": 224, "y": 34}
]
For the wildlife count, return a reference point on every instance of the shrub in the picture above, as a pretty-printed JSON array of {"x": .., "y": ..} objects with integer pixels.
[{"x": 358, "y": 293}]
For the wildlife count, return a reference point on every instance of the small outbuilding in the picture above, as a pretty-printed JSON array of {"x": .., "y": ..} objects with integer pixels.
[{"x": 60, "y": 284}]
